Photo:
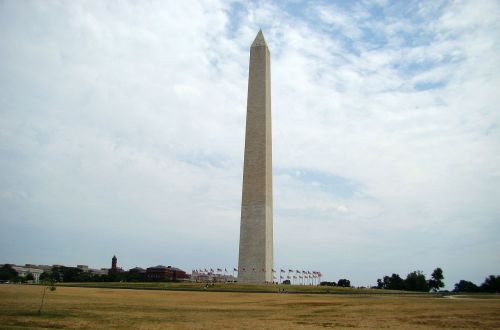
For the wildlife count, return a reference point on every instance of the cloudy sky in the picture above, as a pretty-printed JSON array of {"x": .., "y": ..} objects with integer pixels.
[{"x": 122, "y": 132}]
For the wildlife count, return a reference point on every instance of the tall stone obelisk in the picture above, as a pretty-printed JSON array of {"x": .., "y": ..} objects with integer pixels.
[{"x": 256, "y": 230}]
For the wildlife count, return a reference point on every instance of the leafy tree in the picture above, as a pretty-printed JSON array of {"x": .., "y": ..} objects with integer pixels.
[
  {"x": 134, "y": 277},
  {"x": 397, "y": 283},
  {"x": 45, "y": 276},
  {"x": 7, "y": 273},
  {"x": 393, "y": 282},
  {"x": 65, "y": 274},
  {"x": 344, "y": 283},
  {"x": 325, "y": 283},
  {"x": 491, "y": 284},
  {"x": 29, "y": 277},
  {"x": 436, "y": 280},
  {"x": 465, "y": 286},
  {"x": 415, "y": 281}
]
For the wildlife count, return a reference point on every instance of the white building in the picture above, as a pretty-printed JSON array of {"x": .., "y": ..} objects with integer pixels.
[{"x": 25, "y": 270}]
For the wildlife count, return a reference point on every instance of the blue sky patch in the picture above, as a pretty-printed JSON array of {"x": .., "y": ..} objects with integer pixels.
[{"x": 330, "y": 183}]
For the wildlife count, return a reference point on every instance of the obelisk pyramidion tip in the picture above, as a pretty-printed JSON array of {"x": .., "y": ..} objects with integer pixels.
[{"x": 259, "y": 40}]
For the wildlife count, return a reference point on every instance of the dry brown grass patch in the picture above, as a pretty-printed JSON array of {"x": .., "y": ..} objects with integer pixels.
[{"x": 88, "y": 308}]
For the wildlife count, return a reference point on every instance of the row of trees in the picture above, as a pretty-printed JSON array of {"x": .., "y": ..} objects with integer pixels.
[
  {"x": 342, "y": 282},
  {"x": 71, "y": 274},
  {"x": 68, "y": 274},
  {"x": 490, "y": 284},
  {"x": 414, "y": 281}
]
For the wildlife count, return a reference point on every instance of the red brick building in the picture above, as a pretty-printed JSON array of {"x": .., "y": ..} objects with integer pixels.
[{"x": 165, "y": 273}]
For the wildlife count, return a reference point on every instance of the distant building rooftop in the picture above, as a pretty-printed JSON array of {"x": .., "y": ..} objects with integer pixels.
[{"x": 161, "y": 267}]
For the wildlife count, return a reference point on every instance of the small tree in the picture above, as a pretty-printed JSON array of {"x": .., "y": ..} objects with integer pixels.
[
  {"x": 47, "y": 284},
  {"x": 436, "y": 280}
]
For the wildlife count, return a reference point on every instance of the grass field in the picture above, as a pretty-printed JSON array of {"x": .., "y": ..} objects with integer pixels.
[
  {"x": 190, "y": 286},
  {"x": 98, "y": 308}
]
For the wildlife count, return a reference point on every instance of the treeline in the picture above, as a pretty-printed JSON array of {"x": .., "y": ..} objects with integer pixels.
[
  {"x": 414, "y": 281},
  {"x": 342, "y": 283},
  {"x": 69, "y": 274},
  {"x": 72, "y": 274},
  {"x": 490, "y": 284}
]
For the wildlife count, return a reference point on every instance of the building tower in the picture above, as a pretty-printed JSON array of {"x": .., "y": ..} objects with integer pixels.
[
  {"x": 113, "y": 264},
  {"x": 256, "y": 230}
]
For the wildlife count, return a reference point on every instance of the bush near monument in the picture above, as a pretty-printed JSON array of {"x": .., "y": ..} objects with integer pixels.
[{"x": 345, "y": 283}]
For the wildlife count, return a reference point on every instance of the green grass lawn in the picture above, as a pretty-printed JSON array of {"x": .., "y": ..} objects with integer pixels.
[{"x": 227, "y": 287}]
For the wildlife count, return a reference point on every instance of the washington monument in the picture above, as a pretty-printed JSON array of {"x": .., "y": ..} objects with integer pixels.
[{"x": 256, "y": 231}]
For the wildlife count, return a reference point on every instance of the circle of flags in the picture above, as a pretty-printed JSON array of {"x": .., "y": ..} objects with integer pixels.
[{"x": 295, "y": 276}]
